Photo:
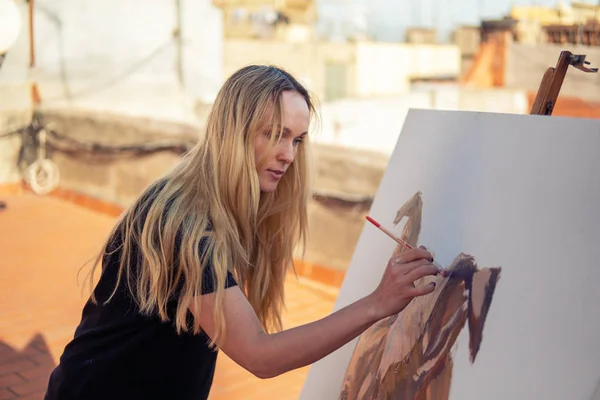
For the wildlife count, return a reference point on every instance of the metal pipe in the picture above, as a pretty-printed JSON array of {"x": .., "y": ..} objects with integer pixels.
[{"x": 31, "y": 36}]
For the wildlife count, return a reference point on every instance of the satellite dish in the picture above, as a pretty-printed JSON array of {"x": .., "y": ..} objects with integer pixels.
[{"x": 10, "y": 24}]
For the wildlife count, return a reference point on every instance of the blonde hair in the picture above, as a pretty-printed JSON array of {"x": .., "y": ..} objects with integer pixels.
[{"x": 213, "y": 197}]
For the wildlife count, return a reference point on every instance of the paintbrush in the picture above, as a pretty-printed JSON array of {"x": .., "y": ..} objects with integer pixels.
[{"x": 403, "y": 243}]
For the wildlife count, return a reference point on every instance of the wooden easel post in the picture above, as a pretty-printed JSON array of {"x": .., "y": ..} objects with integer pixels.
[{"x": 552, "y": 81}]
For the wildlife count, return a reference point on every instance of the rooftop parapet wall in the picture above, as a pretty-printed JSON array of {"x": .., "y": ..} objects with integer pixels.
[{"x": 345, "y": 179}]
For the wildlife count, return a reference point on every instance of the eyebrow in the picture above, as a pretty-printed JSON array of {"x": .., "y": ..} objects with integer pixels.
[{"x": 287, "y": 131}]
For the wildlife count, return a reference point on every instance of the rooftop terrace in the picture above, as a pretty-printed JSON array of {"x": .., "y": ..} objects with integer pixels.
[{"x": 45, "y": 241}]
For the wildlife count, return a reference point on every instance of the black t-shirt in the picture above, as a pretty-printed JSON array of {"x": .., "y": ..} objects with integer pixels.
[{"x": 118, "y": 353}]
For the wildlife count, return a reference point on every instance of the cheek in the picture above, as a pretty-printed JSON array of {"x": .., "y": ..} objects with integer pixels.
[
  {"x": 261, "y": 146},
  {"x": 296, "y": 150},
  {"x": 257, "y": 153}
]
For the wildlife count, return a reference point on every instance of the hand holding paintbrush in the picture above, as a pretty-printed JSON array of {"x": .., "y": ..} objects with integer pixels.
[{"x": 442, "y": 271}]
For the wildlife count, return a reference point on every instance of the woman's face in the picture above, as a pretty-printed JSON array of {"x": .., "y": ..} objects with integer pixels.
[{"x": 273, "y": 162}]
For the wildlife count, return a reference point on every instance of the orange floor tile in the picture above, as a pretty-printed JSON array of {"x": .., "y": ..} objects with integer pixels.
[{"x": 43, "y": 243}]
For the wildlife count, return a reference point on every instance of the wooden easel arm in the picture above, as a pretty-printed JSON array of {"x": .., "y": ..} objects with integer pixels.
[{"x": 552, "y": 81}]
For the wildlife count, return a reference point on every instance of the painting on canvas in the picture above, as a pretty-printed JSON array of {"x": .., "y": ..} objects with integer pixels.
[{"x": 408, "y": 355}]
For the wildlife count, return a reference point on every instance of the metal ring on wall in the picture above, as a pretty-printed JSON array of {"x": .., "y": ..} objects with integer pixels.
[{"x": 42, "y": 176}]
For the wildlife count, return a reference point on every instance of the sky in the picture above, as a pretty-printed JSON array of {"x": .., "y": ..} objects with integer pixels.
[{"x": 388, "y": 19}]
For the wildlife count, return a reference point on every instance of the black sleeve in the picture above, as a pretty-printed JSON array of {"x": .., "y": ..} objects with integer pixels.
[
  {"x": 208, "y": 278},
  {"x": 209, "y": 281}
]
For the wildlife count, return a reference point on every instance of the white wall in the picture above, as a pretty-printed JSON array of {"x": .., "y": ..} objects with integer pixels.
[
  {"x": 375, "y": 123},
  {"x": 386, "y": 68},
  {"x": 120, "y": 54},
  {"x": 300, "y": 59},
  {"x": 382, "y": 68},
  {"x": 373, "y": 69}
]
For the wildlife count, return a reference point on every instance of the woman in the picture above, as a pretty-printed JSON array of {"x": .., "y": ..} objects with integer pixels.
[{"x": 198, "y": 262}]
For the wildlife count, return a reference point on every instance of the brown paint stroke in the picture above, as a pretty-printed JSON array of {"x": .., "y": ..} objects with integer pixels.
[{"x": 408, "y": 355}]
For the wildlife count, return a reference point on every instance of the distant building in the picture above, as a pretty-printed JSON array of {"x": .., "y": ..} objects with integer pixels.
[
  {"x": 577, "y": 23},
  {"x": 491, "y": 28},
  {"x": 587, "y": 35},
  {"x": 337, "y": 63},
  {"x": 468, "y": 41},
  {"x": 292, "y": 20},
  {"x": 338, "y": 70},
  {"x": 421, "y": 36}
]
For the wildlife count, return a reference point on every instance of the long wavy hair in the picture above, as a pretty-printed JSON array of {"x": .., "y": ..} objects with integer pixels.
[{"x": 213, "y": 196}]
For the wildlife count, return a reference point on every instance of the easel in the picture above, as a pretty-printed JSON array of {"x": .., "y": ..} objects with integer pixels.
[{"x": 547, "y": 94}]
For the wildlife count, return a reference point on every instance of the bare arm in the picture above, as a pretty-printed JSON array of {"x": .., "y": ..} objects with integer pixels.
[{"x": 270, "y": 355}]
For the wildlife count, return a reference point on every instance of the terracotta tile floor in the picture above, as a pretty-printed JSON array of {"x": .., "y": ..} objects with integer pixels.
[{"x": 43, "y": 243}]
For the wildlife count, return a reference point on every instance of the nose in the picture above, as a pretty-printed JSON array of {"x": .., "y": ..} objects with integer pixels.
[{"x": 287, "y": 152}]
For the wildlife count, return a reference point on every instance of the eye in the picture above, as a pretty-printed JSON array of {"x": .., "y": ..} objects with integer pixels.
[
  {"x": 278, "y": 136},
  {"x": 298, "y": 140}
]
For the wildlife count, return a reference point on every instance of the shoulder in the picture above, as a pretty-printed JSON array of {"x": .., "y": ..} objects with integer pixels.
[
  {"x": 210, "y": 266},
  {"x": 147, "y": 198}
]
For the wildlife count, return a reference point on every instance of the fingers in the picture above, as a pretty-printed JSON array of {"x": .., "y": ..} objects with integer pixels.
[
  {"x": 422, "y": 290},
  {"x": 413, "y": 255},
  {"x": 430, "y": 252},
  {"x": 411, "y": 266},
  {"x": 422, "y": 271}
]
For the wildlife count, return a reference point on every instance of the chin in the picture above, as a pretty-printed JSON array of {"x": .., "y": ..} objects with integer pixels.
[
  {"x": 268, "y": 188},
  {"x": 267, "y": 185},
  {"x": 266, "y": 182}
]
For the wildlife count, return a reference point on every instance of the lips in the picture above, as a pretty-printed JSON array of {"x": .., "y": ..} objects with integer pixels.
[{"x": 276, "y": 173}]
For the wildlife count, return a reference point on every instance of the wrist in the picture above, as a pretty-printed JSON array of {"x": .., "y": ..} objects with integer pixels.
[{"x": 371, "y": 308}]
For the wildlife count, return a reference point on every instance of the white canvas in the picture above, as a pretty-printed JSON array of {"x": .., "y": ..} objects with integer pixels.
[{"x": 517, "y": 191}]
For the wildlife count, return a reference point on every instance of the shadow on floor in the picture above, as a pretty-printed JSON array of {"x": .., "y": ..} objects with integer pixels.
[{"x": 24, "y": 373}]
